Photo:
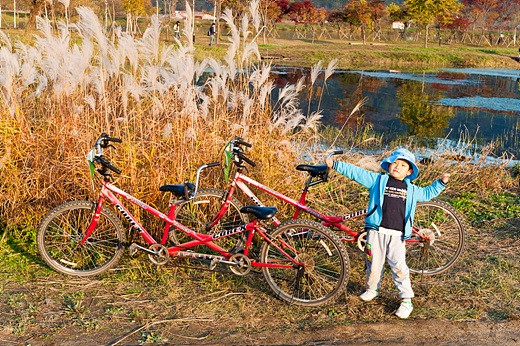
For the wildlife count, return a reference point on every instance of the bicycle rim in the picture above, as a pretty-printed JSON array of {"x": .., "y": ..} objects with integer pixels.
[
  {"x": 445, "y": 228},
  {"x": 327, "y": 267},
  {"x": 61, "y": 231}
]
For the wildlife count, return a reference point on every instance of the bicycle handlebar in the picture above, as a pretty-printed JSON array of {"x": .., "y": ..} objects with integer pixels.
[
  {"x": 237, "y": 151},
  {"x": 241, "y": 141},
  {"x": 248, "y": 160},
  {"x": 207, "y": 165},
  {"x": 105, "y": 163},
  {"x": 104, "y": 142},
  {"x": 336, "y": 152}
]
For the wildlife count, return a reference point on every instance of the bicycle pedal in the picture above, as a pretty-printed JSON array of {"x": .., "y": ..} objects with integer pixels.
[
  {"x": 133, "y": 249},
  {"x": 213, "y": 265}
]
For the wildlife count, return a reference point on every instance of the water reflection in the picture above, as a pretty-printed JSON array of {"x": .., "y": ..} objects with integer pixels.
[
  {"x": 481, "y": 103},
  {"x": 419, "y": 111}
]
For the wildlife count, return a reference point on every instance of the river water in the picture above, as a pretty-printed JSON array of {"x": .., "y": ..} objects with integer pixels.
[{"x": 478, "y": 106}]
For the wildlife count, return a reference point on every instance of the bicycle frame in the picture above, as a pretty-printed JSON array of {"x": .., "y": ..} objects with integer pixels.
[
  {"x": 108, "y": 192},
  {"x": 241, "y": 180}
]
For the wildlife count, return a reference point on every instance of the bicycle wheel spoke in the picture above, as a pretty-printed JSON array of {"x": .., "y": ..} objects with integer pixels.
[
  {"x": 62, "y": 230},
  {"x": 319, "y": 254},
  {"x": 440, "y": 226}
]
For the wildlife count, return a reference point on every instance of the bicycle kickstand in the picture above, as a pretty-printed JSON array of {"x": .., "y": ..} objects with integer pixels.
[
  {"x": 299, "y": 275},
  {"x": 425, "y": 252}
]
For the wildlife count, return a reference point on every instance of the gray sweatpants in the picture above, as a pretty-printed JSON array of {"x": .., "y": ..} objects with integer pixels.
[{"x": 380, "y": 246}]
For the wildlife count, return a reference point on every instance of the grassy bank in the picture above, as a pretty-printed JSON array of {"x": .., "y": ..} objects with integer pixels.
[{"x": 389, "y": 55}]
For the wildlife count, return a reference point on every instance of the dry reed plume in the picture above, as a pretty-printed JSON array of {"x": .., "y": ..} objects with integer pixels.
[{"x": 58, "y": 96}]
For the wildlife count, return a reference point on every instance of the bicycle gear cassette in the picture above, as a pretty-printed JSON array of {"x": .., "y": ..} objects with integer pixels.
[{"x": 426, "y": 233}]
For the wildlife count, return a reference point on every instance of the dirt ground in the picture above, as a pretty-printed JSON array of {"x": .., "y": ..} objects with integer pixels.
[{"x": 54, "y": 310}]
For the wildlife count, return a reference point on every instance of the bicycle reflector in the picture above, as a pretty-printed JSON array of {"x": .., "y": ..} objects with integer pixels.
[
  {"x": 228, "y": 160},
  {"x": 92, "y": 167}
]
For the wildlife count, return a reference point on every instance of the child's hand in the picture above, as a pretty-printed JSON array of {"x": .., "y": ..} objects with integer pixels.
[
  {"x": 329, "y": 162},
  {"x": 445, "y": 178}
]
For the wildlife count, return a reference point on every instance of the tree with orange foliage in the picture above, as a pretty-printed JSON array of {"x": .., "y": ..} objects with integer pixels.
[
  {"x": 302, "y": 12},
  {"x": 364, "y": 13}
]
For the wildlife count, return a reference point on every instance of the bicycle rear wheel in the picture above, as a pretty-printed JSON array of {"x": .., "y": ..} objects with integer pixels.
[
  {"x": 200, "y": 211},
  {"x": 61, "y": 231},
  {"x": 326, "y": 266},
  {"x": 444, "y": 227}
]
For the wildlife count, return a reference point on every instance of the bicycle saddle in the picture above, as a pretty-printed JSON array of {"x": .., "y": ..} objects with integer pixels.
[
  {"x": 262, "y": 213},
  {"x": 313, "y": 170},
  {"x": 177, "y": 190}
]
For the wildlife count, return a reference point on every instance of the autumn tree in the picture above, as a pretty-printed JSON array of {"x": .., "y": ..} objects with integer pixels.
[
  {"x": 364, "y": 13},
  {"x": 399, "y": 13},
  {"x": 427, "y": 12},
  {"x": 271, "y": 12},
  {"x": 302, "y": 12},
  {"x": 507, "y": 10},
  {"x": 36, "y": 8},
  {"x": 237, "y": 6},
  {"x": 133, "y": 9}
]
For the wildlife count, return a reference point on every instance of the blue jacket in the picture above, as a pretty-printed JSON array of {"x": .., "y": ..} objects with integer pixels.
[{"x": 376, "y": 183}]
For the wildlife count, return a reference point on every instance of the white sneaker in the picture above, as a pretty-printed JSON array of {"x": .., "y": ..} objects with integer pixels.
[
  {"x": 368, "y": 295},
  {"x": 404, "y": 310}
]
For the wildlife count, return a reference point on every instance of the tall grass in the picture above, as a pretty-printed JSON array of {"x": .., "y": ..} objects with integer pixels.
[{"x": 58, "y": 96}]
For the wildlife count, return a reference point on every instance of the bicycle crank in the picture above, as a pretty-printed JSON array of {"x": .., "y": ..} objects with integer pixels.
[
  {"x": 159, "y": 255},
  {"x": 241, "y": 264}
]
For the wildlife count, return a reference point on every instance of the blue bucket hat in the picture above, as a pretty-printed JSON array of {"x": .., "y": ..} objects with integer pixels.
[{"x": 402, "y": 154}]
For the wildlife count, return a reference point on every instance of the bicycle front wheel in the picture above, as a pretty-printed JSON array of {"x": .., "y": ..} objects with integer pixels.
[
  {"x": 444, "y": 227},
  {"x": 199, "y": 211},
  {"x": 61, "y": 231},
  {"x": 325, "y": 267}
]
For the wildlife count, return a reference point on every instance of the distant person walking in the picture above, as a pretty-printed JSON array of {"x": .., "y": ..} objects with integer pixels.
[
  {"x": 177, "y": 30},
  {"x": 212, "y": 34}
]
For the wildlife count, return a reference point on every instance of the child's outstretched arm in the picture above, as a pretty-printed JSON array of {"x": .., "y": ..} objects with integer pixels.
[
  {"x": 429, "y": 192},
  {"x": 358, "y": 174}
]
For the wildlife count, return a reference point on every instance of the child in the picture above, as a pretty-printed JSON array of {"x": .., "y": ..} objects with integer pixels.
[
  {"x": 389, "y": 222},
  {"x": 177, "y": 30},
  {"x": 212, "y": 34}
]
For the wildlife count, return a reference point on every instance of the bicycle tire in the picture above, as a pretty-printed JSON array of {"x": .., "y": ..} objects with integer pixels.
[
  {"x": 446, "y": 229},
  {"x": 327, "y": 266},
  {"x": 61, "y": 230},
  {"x": 201, "y": 209}
]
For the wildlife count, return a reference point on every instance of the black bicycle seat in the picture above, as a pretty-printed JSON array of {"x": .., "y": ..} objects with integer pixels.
[
  {"x": 262, "y": 213},
  {"x": 313, "y": 170},
  {"x": 177, "y": 190}
]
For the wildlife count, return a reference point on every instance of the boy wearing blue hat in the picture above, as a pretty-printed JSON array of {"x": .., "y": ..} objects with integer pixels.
[{"x": 392, "y": 203}]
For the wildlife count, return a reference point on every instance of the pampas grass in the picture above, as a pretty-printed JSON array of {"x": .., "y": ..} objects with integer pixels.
[{"x": 57, "y": 97}]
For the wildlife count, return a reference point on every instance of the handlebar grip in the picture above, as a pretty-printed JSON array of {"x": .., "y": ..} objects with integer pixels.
[
  {"x": 244, "y": 143},
  {"x": 105, "y": 163},
  {"x": 113, "y": 139},
  {"x": 336, "y": 152},
  {"x": 213, "y": 164},
  {"x": 246, "y": 159}
]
